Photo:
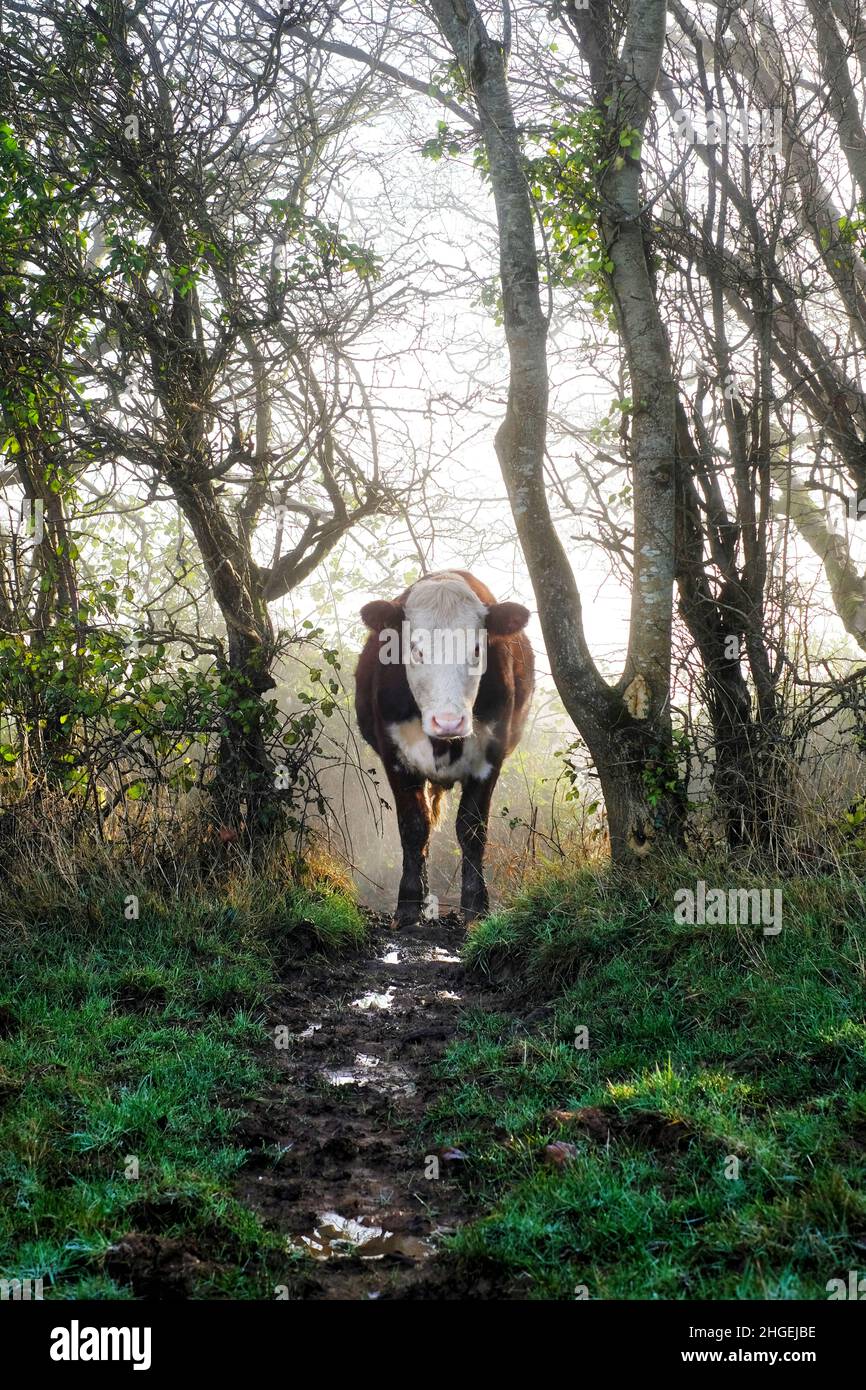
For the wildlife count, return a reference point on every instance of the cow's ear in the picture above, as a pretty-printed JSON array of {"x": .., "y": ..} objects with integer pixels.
[
  {"x": 381, "y": 614},
  {"x": 504, "y": 619}
]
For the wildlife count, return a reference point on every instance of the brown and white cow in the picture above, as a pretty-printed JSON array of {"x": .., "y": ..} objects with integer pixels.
[{"x": 442, "y": 691}]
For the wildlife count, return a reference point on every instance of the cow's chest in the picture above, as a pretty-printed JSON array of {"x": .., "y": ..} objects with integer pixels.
[{"x": 445, "y": 761}]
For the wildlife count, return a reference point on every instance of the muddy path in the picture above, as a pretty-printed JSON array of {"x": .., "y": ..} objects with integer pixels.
[{"x": 335, "y": 1162}]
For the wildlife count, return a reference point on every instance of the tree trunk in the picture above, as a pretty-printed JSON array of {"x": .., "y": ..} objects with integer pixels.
[
  {"x": 627, "y": 727},
  {"x": 243, "y": 787}
]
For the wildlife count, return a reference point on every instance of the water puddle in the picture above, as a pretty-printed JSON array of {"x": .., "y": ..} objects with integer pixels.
[
  {"x": 440, "y": 954},
  {"x": 308, "y": 1032},
  {"x": 374, "y": 1000},
  {"x": 337, "y": 1237},
  {"x": 372, "y": 1071}
]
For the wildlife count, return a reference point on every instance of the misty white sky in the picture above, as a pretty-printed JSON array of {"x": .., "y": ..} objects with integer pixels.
[
  {"x": 445, "y": 376},
  {"x": 437, "y": 383}
]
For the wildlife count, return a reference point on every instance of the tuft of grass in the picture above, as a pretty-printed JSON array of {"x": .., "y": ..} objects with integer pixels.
[
  {"x": 128, "y": 1048},
  {"x": 716, "y": 1121}
]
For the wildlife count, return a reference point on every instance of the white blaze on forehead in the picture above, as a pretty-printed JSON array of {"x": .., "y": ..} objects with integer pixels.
[
  {"x": 445, "y": 601},
  {"x": 446, "y": 681}
]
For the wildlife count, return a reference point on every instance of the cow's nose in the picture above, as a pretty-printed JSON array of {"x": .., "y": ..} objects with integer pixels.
[{"x": 448, "y": 725}]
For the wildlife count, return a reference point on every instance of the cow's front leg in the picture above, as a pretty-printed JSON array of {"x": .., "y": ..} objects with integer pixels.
[
  {"x": 413, "y": 818},
  {"x": 472, "y": 837}
]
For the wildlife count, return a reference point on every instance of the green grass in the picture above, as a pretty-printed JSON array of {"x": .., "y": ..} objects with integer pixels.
[
  {"x": 706, "y": 1044},
  {"x": 140, "y": 1040}
]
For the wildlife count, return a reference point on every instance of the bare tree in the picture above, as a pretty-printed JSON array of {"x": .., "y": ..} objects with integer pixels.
[
  {"x": 225, "y": 302},
  {"x": 626, "y": 726}
]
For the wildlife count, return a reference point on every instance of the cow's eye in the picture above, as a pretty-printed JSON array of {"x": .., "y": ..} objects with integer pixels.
[
  {"x": 477, "y": 650},
  {"x": 416, "y": 656}
]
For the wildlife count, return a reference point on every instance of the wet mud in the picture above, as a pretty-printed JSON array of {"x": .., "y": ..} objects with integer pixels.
[{"x": 335, "y": 1164}]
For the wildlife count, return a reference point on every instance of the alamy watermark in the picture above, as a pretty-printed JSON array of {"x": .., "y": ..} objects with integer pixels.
[
  {"x": 702, "y": 906},
  {"x": 30, "y": 525},
  {"x": 854, "y": 1288},
  {"x": 21, "y": 1290},
  {"x": 852, "y": 508},
  {"x": 77, "y": 1343},
  {"x": 743, "y": 126},
  {"x": 439, "y": 646}
]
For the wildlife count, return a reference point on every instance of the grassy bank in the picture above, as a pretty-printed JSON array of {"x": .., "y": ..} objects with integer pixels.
[
  {"x": 126, "y": 1050},
  {"x": 710, "y": 1141}
]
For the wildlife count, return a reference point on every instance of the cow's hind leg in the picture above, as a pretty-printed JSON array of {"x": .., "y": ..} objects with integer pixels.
[
  {"x": 472, "y": 820},
  {"x": 413, "y": 818}
]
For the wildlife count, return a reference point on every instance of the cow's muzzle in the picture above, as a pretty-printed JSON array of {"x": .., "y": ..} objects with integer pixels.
[{"x": 450, "y": 725}]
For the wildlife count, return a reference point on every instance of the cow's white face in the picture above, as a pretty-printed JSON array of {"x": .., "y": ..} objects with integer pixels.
[
  {"x": 444, "y": 630},
  {"x": 445, "y": 651}
]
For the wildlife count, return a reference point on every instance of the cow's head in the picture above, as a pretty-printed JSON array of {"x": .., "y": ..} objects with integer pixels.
[{"x": 441, "y": 634}]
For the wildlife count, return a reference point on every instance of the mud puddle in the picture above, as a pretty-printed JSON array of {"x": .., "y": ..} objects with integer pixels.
[
  {"x": 385, "y": 1077},
  {"x": 339, "y": 1237},
  {"x": 335, "y": 1165}
]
